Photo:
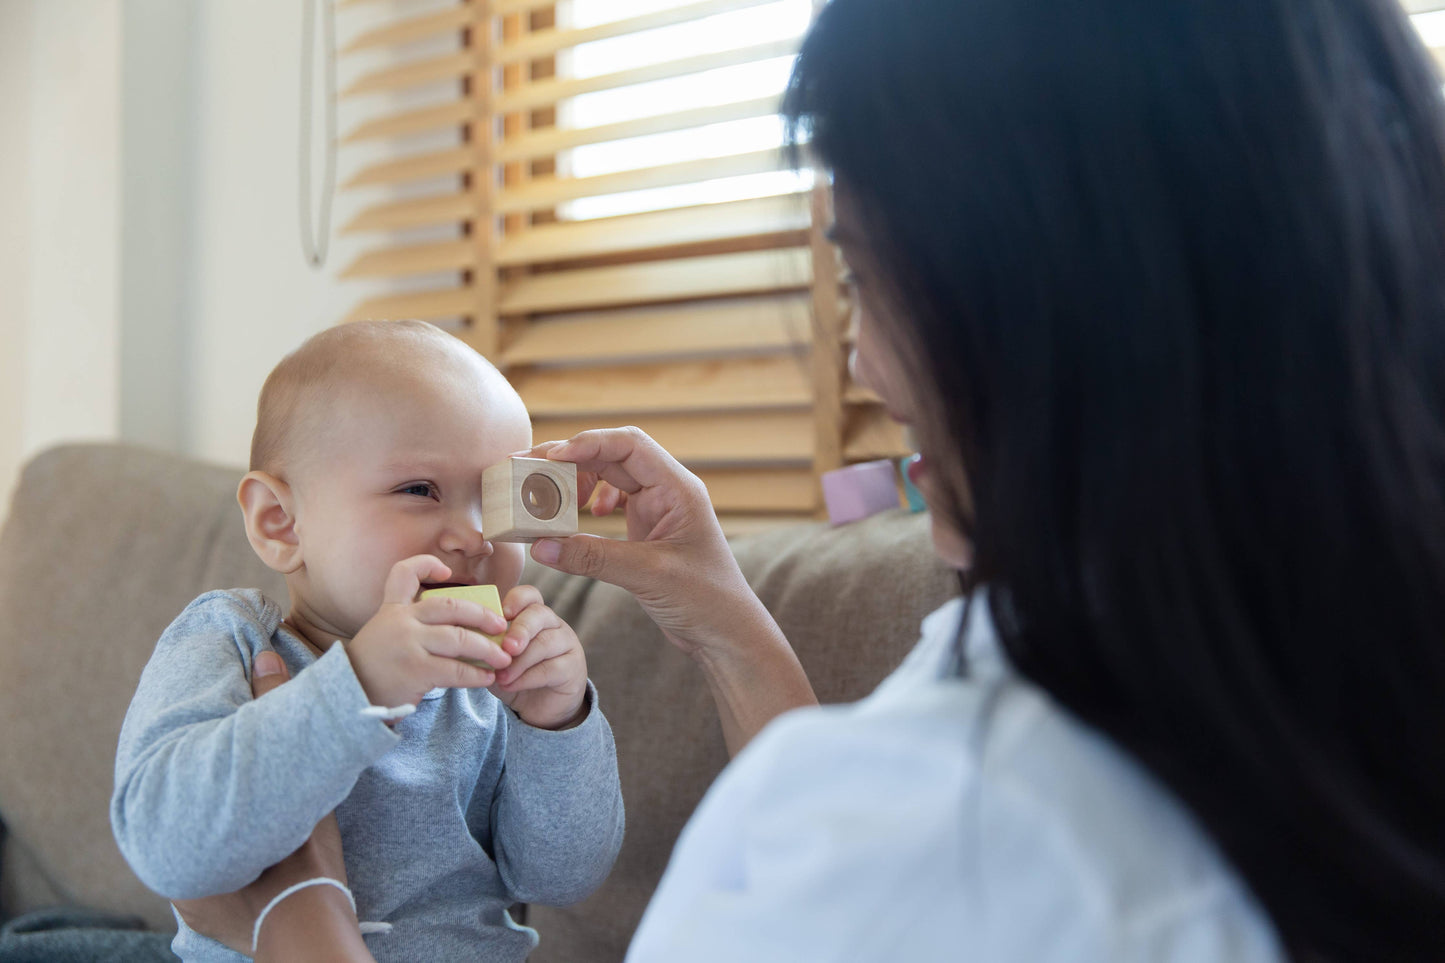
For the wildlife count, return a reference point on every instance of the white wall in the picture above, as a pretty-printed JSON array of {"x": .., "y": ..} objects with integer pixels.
[
  {"x": 16, "y": 25},
  {"x": 254, "y": 297},
  {"x": 151, "y": 269},
  {"x": 156, "y": 164},
  {"x": 60, "y": 122}
]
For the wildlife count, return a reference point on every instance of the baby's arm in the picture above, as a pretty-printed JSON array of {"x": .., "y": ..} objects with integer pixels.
[
  {"x": 211, "y": 786},
  {"x": 557, "y": 815}
]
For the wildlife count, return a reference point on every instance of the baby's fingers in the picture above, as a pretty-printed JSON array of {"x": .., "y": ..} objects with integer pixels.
[
  {"x": 547, "y": 645},
  {"x": 519, "y": 598},
  {"x": 450, "y": 610},
  {"x": 561, "y": 673},
  {"x": 406, "y": 577},
  {"x": 456, "y": 643},
  {"x": 459, "y": 673}
]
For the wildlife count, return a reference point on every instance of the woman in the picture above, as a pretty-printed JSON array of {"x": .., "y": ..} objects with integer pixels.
[{"x": 1160, "y": 288}]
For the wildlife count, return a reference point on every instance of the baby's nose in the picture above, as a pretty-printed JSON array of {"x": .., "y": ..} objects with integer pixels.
[{"x": 463, "y": 534}]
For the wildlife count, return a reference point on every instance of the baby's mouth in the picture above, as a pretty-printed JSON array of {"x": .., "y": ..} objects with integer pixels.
[{"x": 428, "y": 586}]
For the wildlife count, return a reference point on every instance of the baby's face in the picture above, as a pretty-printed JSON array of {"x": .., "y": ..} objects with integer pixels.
[{"x": 400, "y": 474}]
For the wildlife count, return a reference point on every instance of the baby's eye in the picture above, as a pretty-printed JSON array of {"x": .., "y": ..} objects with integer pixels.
[{"x": 419, "y": 489}]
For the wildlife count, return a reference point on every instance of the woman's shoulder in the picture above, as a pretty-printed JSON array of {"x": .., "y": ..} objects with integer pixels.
[{"x": 981, "y": 797}]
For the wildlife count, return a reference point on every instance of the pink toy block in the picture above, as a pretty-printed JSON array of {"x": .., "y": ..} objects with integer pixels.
[{"x": 857, "y": 491}]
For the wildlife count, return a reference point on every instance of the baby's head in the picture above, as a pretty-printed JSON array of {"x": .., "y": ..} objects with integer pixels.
[{"x": 369, "y": 448}]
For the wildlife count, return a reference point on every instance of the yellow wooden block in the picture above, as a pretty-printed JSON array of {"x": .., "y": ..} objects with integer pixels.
[{"x": 486, "y": 596}]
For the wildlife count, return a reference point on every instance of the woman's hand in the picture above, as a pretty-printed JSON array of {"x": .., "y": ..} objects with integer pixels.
[
  {"x": 678, "y": 565},
  {"x": 314, "y": 924},
  {"x": 675, "y": 560}
]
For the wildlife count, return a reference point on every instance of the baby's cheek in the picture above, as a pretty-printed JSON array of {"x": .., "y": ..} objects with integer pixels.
[{"x": 504, "y": 569}]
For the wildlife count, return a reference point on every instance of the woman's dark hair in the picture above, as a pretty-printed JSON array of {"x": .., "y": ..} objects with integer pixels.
[{"x": 1172, "y": 277}]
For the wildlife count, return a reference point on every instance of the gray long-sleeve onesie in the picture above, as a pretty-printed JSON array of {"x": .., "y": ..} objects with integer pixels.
[{"x": 459, "y": 811}]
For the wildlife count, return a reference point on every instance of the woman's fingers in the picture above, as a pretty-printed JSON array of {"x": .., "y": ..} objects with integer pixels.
[
  {"x": 626, "y": 458},
  {"x": 608, "y": 500},
  {"x": 626, "y": 564}
]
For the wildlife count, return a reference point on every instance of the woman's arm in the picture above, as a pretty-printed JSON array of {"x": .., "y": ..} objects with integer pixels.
[
  {"x": 317, "y": 923},
  {"x": 678, "y": 565}
]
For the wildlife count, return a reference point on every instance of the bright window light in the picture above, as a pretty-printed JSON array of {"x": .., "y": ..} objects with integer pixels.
[
  {"x": 769, "y": 22},
  {"x": 1431, "y": 27}
]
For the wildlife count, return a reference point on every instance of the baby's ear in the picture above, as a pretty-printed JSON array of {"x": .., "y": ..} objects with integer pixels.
[{"x": 268, "y": 508}]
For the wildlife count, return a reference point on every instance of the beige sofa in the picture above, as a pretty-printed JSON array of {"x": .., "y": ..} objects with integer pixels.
[{"x": 105, "y": 544}]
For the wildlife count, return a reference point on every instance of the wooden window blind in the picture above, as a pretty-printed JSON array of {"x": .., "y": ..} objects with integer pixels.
[
  {"x": 638, "y": 292},
  {"x": 685, "y": 288}
]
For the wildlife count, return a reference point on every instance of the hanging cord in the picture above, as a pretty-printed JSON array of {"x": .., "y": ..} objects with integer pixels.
[{"x": 314, "y": 244}]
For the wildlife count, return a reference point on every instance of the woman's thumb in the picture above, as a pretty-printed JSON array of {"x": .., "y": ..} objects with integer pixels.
[
  {"x": 589, "y": 556},
  {"x": 268, "y": 672}
]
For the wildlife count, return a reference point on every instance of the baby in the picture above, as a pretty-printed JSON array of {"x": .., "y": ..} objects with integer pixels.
[{"x": 501, "y": 787}]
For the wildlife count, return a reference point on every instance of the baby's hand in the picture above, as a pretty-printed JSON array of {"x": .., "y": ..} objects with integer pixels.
[
  {"x": 546, "y": 683},
  {"x": 410, "y": 647}
]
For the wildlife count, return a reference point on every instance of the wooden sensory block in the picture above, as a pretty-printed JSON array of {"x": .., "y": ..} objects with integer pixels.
[
  {"x": 486, "y": 596},
  {"x": 524, "y": 499}
]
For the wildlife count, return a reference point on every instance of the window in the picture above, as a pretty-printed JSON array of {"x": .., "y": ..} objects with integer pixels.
[{"x": 637, "y": 250}]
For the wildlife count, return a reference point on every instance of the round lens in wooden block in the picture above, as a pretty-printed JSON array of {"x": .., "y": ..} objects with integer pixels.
[{"x": 541, "y": 497}]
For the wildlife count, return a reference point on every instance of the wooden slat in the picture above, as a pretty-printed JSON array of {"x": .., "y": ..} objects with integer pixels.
[
  {"x": 545, "y": 93},
  {"x": 548, "y": 192},
  {"x": 422, "y": 305},
  {"x": 753, "y": 437},
  {"x": 722, "y": 275},
  {"x": 415, "y": 167},
  {"x": 501, "y": 8},
  {"x": 545, "y": 43},
  {"x": 483, "y": 331},
  {"x": 451, "y": 114},
  {"x": 431, "y": 70},
  {"x": 514, "y": 76},
  {"x": 549, "y": 142},
  {"x": 870, "y": 434},
  {"x": 407, "y": 259},
  {"x": 572, "y": 240},
  {"x": 734, "y": 385},
  {"x": 412, "y": 29},
  {"x": 709, "y": 327},
  {"x": 415, "y": 212},
  {"x": 761, "y": 490}
]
